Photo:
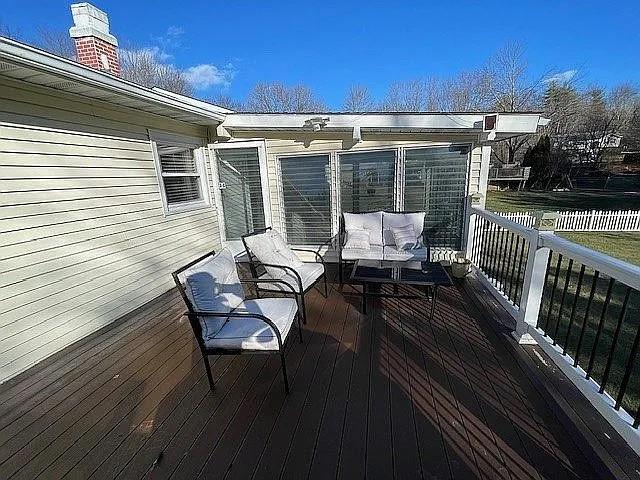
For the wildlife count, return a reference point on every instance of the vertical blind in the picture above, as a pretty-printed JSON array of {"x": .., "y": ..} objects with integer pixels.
[
  {"x": 366, "y": 181},
  {"x": 436, "y": 182},
  {"x": 179, "y": 174},
  {"x": 241, "y": 190},
  {"x": 306, "y": 199}
]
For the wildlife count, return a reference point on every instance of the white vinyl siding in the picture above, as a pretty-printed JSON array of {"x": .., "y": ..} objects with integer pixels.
[
  {"x": 306, "y": 199},
  {"x": 83, "y": 236}
]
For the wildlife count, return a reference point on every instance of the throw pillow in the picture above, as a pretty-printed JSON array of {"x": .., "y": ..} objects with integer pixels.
[
  {"x": 359, "y": 239},
  {"x": 405, "y": 237}
]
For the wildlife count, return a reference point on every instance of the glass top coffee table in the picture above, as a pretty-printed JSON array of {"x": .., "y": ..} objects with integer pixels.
[{"x": 425, "y": 276}]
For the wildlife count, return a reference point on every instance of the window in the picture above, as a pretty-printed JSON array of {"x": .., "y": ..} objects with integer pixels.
[
  {"x": 436, "y": 182},
  {"x": 306, "y": 199},
  {"x": 183, "y": 181},
  {"x": 240, "y": 184},
  {"x": 366, "y": 181}
]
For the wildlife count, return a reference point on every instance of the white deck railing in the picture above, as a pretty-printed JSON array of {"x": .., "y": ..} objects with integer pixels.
[
  {"x": 579, "y": 305},
  {"x": 585, "y": 221}
]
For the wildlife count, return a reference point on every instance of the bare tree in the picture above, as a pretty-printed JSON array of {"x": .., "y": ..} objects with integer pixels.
[
  {"x": 465, "y": 92},
  {"x": 277, "y": 97},
  {"x": 226, "y": 101},
  {"x": 358, "y": 99},
  {"x": 8, "y": 32},
  {"x": 508, "y": 87},
  {"x": 420, "y": 95},
  {"x": 605, "y": 116},
  {"x": 57, "y": 42},
  {"x": 144, "y": 67}
]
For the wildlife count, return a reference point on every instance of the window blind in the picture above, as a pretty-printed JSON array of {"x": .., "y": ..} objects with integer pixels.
[
  {"x": 306, "y": 198},
  {"x": 180, "y": 174},
  {"x": 241, "y": 190},
  {"x": 436, "y": 182},
  {"x": 366, "y": 181}
]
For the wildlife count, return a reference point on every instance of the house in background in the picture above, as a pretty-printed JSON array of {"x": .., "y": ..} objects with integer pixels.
[{"x": 106, "y": 186}]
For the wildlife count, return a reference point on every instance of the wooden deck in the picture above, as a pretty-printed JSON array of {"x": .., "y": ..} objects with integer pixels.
[{"x": 390, "y": 395}]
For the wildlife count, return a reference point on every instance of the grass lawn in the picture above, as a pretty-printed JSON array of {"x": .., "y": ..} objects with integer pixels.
[
  {"x": 552, "y": 201},
  {"x": 566, "y": 314},
  {"x": 625, "y": 246},
  {"x": 556, "y": 316}
]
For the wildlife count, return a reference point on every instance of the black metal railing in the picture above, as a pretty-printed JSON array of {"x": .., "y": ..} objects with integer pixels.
[
  {"x": 594, "y": 319},
  {"x": 500, "y": 253}
]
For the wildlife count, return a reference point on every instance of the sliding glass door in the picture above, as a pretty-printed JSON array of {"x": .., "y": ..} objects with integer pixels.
[
  {"x": 242, "y": 191},
  {"x": 316, "y": 188},
  {"x": 435, "y": 180},
  {"x": 306, "y": 199},
  {"x": 367, "y": 181}
]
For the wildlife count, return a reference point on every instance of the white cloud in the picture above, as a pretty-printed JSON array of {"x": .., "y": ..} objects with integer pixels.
[
  {"x": 206, "y": 75},
  {"x": 562, "y": 77},
  {"x": 154, "y": 52},
  {"x": 175, "y": 31}
]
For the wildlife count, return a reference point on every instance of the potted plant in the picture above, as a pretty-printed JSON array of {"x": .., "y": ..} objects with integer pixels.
[{"x": 460, "y": 266}]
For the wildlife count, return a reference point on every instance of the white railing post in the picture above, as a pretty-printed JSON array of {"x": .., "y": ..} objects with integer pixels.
[
  {"x": 470, "y": 224},
  {"x": 533, "y": 283}
]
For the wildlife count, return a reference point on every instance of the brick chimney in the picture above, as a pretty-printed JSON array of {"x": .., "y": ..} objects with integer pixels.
[{"x": 95, "y": 46}]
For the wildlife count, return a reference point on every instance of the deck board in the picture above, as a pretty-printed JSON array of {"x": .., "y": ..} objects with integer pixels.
[{"x": 388, "y": 395}]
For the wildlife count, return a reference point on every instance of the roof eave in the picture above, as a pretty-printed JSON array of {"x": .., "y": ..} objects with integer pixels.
[
  {"x": 471, "y": 122},
  {"x": 32, "y": 58}
]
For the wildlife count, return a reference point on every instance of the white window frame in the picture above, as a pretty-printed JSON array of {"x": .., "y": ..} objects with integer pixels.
[
  {"x": 399, "y": 172},
  {"x": 264, "y": 180},
  {"x": 402, "y": 177},
  {"x": 396, "y": 161},
  {"x": 332, "y": 199},
  {"x": 201, "y": 172}
]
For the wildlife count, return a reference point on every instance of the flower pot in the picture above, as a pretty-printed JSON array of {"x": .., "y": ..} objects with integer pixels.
[{"x": 460, "y": 268}]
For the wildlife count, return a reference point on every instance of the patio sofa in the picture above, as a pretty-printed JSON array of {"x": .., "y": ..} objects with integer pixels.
[{"x": 378, "y": 240}]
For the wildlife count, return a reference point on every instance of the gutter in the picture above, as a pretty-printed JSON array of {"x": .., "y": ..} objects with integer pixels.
[{"x": 39, "y": 60}]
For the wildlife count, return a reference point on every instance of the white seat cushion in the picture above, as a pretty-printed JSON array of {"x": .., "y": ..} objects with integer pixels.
[
  {"x": 270, "y": 248},
  {"x": 253, "y": 333},
  {"x": 417, "y": 254},
  {"x": 371, "y": 222},
  {"x": 375, "y": 252},
  {"x": 309, "y": 273},
  {"x": 400, "y": 220},
  {"x": 213, "y": 285}
]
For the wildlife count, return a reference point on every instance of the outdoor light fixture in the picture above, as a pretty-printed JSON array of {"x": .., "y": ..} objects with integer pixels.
[{"x": 316, "y": 123}]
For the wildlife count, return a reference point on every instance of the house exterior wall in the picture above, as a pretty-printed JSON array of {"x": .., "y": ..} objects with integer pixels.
[
  {"x": 291, "y": 143},
  {"x": 84, "y": 239}
]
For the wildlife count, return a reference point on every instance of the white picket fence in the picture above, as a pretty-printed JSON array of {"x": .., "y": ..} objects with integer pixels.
[{"x": 585, "y": 221}]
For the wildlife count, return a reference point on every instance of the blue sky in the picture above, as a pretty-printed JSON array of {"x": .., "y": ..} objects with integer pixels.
[{"x": 230, "y": 45}]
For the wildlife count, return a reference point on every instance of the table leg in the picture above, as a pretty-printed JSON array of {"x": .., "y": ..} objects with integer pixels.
[
  {"x": 364, "y": 298},
  {"x": 433, "y": 301}
]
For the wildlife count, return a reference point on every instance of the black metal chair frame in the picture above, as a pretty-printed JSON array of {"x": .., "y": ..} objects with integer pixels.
[
  {"x": 194, "y": 315},
  {"x": 341, "y": 233},
  {"x": 254, "y": 264}
]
